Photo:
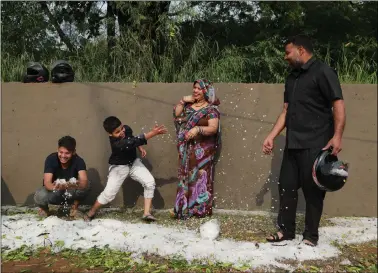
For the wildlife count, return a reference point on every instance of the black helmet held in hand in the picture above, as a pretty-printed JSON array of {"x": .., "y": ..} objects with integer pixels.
[
  {"x": 62, "y": 71},
  {"x": 36, "y": 72},
  {"x": 328, "y": 172}
]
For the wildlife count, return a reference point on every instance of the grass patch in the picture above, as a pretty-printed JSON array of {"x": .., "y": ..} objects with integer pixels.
[
  {"x": 252, "y": 228},
  {"x": 108, "y": 260},
  {"x": 355, "y": 258},
  {"x": 360, "y": 258},
  {"x": 9, "y": 211}
]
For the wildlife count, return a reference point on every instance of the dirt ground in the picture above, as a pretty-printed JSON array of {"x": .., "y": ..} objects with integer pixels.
[{"x": 42, "y": 264}]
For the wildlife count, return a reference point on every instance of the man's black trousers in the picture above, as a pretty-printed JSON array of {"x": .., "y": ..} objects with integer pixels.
[{"x": 296, "y": 172}]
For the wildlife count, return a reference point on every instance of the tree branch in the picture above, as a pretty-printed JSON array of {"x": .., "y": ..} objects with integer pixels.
[{"x": 62, "y": 36}]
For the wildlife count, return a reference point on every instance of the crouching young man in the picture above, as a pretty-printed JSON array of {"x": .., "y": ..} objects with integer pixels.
[{"x": 65, "y": 179}]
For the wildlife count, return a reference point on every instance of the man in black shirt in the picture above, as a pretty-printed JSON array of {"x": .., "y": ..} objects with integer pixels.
[
  {"x": 314, "y": 117},
  {"x": 65, "y": 178}
]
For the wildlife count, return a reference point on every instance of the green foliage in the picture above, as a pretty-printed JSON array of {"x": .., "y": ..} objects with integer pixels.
[
  {"x": 223, "y": 41},
  {"x": 111, "y": 260},
  {"x": 259, "y": 62},
  {"x": 26, "y": 33},
  {"x": 21, "y": 254},
  {"x": 118, "y": 261}
]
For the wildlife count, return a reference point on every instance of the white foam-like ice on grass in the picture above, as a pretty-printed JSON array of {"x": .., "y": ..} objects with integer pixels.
[
  {"x": 142, "y": 238},
  {"x": 351, "y": 230}
]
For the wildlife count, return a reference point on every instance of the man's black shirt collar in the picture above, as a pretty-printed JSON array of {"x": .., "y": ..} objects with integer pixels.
[
  {"x": 307, "y": 65},
  {"x": 304, "y": 67}
]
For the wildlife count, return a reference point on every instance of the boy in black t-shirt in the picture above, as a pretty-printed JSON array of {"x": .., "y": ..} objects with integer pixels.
[
  {"x": 65, "y": 178},
  {"x": 123, "y": 162}
]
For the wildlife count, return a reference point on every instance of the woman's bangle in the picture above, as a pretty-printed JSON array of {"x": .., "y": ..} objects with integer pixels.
[{"x": 200, "y": 130}]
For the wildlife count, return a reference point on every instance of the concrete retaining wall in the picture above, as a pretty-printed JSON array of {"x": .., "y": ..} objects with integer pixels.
[{"x": 35, "y": 116}]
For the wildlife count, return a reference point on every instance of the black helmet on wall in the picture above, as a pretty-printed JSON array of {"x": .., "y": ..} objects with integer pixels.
[
  {"x": 36, "y": 72},
  {"x": 62, "y": 71},
  {"x": 328, "y": 172}
]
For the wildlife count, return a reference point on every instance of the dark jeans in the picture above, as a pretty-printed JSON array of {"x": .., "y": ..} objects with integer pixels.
[
  {"x": 44, "y": 197},
  {"x": 296, "y": 172}
]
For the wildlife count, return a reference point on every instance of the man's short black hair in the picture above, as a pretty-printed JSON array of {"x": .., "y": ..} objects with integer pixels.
[
  {"x": 111, "y": 123},
  {"x": 301, "y": 40},
  {"x": 67, "y": 142}
]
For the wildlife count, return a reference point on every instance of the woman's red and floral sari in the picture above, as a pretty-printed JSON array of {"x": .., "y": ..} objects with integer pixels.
[{"x": 196, "y": 163}]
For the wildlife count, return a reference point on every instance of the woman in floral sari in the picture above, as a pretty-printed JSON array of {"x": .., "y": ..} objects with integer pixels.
[{"x": 197, "y": 124}]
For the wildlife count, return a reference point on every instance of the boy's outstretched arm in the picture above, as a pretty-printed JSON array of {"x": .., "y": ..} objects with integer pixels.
[{"x": 157, "y": 130}]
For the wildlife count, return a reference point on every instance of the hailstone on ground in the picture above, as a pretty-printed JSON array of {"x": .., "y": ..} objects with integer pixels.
[{"x": 210, "y": 229}]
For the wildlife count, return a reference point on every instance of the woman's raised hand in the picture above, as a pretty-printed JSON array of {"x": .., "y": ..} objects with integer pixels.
[{"x": 188, "y": 99}]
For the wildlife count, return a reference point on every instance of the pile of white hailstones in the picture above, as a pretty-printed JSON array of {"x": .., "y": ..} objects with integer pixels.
[{"x": 209, "y": 230}]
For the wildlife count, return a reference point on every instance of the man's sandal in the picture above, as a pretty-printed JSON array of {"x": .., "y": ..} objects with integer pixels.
[
  {"x": 149, "y": 218},
  {"x": 276, "y": 238},
  {"x": 309, "y": 243}
]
